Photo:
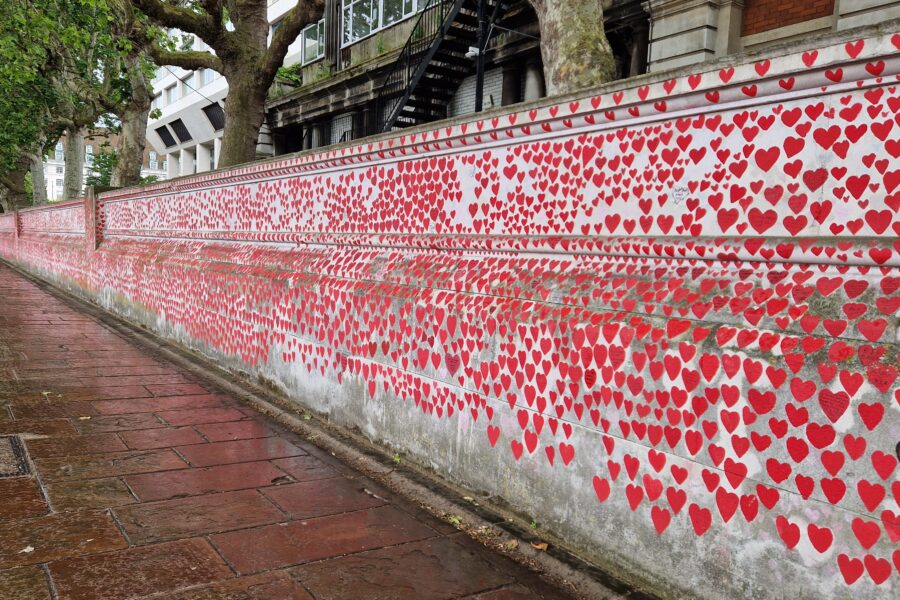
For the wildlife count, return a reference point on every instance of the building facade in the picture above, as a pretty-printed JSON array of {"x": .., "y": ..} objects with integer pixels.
[
  {"x": 342, "y": 65},
  {"x": 685, "y": 32}
]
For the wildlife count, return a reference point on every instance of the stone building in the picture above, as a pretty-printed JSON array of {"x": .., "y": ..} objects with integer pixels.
[{"x": 684, "y": 32}]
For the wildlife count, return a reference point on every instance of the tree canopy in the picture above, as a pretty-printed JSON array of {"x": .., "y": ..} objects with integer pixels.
[{"x": 63, "y": 65}]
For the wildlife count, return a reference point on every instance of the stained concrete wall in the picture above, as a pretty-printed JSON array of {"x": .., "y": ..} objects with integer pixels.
[{"x": 661, "y": 317}]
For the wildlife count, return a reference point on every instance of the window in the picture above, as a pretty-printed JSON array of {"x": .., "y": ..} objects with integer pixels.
[
  {"x": 171, "y": 94},
  {"x": 187, "y": 85},
  {"x": 358, "y": 21},
  {"x": 181, "y": 132},
  {"x": 89, "y": 153},
  {"x": 166, "y": 136},
  {"x": 216, "y": 116},
  {"x": 154, "y": 163},
  {"x": 157, "y": 102},
  {"x": 364, "y": 17},
  {"x": 165, "y": 165},
  {"x": 274, "y": 27},
  {"x": 209, "y": 76},
  {"x": 314, "y": 42},
  {"x": 59, "y": 182},
  {"x": 59, "y": 170},
  {"x": 394, "y": 10},
  {"x": 58, "y": 153}
]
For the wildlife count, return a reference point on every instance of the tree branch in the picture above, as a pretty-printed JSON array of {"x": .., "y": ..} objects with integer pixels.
[
  {"x": 304, "y": 13},
  {"x": 191, "y": 60},
  {"x": 184, "y": 19},
  {"x": 11, "y": 185}
]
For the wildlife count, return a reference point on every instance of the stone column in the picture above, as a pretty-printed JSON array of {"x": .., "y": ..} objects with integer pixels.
[
  {"x": 534, "y": 81},
  {"x": 728, "y": 27},
  {"x": 639, "y": 41},
  {"x": 173, "y": 165},
  {"x": 187, "y": 162},
  {"x": 685, "y": 32},
  {"x": 512, "y": 85},
  {"x": 204, "y": 159}
]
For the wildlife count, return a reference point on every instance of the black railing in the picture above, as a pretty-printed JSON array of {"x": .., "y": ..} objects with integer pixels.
[{"x": 430, "y": 29}]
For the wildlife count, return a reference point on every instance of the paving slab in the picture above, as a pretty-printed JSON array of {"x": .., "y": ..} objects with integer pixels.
[
  {"x": 100, "y": 443},
  {"x": 24, "y": 583},
  {"x": 150, "y": 487},
  {"x": 274, "y": 585},
  {"x": 428, "y": 570},
  {"x": 200, "y": 416},
  {"x": 42, "y": 539},
  {"x": 90, "y": 466},
  {"x": 298, "y": 542},
  {"x": 309, "y": 499},
  {"x": 305, "y": 468},
  {"x": 148, "y": 439},
  {"x": 221, "y": 453},
  {"x": 146, "y": 405},
  {"x": 196, "y": 515},
  {"x": 235, "y": 430},
  {"x": 106, "y": 492},
  {"x": 138, "y": 571},
  {"x": 21, "y": 497}
]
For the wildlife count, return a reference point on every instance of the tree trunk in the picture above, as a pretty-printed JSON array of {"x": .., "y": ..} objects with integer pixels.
[
  {"x": 38, "y": 182},
  {"x": 13, "y": 183},
  {"x": 74, "y": 153},
  {"x": 130, "y": 154},
  {"x": 574, "y": 48},
  {"x": 245, "y": 111}
]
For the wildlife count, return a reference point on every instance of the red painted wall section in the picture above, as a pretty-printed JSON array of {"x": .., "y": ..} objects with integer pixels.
[
  {"x": 663, "y": 319},
  {"x": 764, "y": 15}
]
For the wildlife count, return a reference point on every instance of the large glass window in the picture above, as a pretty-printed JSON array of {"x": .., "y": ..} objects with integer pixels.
[
  {"x": 314, "y": 42},
  {"x": 395, "y": 10},
  {"x": 209, "y": 75},
  {"x": 171, "y": 94},
  {"x": 187, "y": 85},
  {"x": 364, "y": 17}
]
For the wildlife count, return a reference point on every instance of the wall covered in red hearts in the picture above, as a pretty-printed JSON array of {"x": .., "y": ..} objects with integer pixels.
[{"x": 662, "y": 318}]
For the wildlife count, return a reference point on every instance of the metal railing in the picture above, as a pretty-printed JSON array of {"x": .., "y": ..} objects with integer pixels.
[{"x": 423, "y": 42}]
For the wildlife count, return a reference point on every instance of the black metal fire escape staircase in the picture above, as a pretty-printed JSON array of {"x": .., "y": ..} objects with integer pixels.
[{"x": 435, "y": 60}]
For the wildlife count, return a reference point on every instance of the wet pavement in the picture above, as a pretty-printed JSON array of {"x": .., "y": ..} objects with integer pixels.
[{"x": 145, "y": 482}]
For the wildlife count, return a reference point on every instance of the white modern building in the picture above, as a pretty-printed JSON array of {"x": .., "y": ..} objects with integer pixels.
[{"x": 188, "y": 133}]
